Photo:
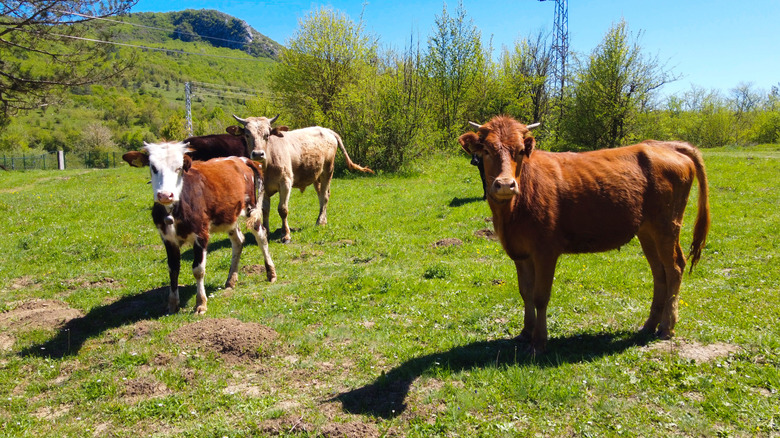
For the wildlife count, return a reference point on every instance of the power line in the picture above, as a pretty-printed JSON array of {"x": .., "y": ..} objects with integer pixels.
[{"x": 158, "y": 49}]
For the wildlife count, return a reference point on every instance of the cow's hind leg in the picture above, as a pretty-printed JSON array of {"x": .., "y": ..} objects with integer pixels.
[
  {"x": 237, "y": 243},
  {"x": 174, "y": 263},
  {"x": 674, "y": 266},
  {"x": 199, "y": 272},
  {"x": 667, "y": 262},
  {"x": 323, "y": 193},
  {"x": 659, "y": 281}
]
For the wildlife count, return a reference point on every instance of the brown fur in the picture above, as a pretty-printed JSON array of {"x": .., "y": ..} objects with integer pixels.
[{"x": 546, "y": 204}]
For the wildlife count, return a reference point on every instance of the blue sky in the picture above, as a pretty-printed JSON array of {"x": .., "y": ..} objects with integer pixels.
[{"x": 713, "y": 44}]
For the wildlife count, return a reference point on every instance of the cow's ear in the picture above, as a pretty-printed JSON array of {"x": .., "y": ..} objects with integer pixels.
[
  {"x": 136, "y": 158},
  {"x": 187, "y": 163},
  {"x": 277, "y": 131},
  {"x": 530, "y": 143},
  {"x": 235, "y": 130},
  {"x": 470, "y": 143}
]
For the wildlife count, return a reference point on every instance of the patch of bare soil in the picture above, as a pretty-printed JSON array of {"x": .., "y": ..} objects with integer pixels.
[
  {"x": 288, "y": 425},
  {"x": 38, "y": 314},
  {"x": 450, "y": 241},
  {"x": 144, "y": 387},
  {"x": 253, "y": 270},
  {"x": 306, "y": 255},
  {"x": 692, "y": 350},
  {"x": 105, "y": 282},
  {"x": 26, "y": 282},
  {"x": 487, "y": 233},
  {"x": 230, "y": 338}
]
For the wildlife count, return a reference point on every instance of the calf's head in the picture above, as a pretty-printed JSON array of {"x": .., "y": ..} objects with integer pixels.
[
  {"x": 502, "y": 143},
  {"x": 167, "y": 164},
  {"x": 257, "y": 131}
]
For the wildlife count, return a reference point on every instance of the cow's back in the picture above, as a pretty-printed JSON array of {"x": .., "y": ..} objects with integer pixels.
[
  {"x": 596, "y": 201},
  {"x": 227, "y": 188},
  {"x": 301, "y": 154},
  {"x": 207, "y": 147}
]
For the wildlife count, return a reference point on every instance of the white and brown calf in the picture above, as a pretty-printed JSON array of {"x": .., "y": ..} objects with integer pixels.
[{"x": 194, "y": 199}]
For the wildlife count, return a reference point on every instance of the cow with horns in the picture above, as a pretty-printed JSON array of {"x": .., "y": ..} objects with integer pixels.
[
  {"x": 546, "y": 204},
  {"x": 293, "y": 159},
  {"x": 193, "y": 200}
]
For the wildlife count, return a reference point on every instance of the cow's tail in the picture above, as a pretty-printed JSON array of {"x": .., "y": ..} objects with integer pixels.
[
  {"x": 702, "y": 225},
  {"x": 255, "y": 214},
  {"x": 350, "y": 164}
]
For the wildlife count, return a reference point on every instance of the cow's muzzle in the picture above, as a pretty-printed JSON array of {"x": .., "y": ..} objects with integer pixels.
[
  {"x": 504, "y": 189},
  {"x": 258, "y": 155},
  {"x": 165, "y": 198}
]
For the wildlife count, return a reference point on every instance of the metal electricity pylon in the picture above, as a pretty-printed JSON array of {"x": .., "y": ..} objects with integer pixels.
[{"x": 561, "y": 44}]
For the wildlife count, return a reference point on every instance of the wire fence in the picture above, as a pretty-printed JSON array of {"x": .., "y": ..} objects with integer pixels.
[{"x": 48, "y": 161}]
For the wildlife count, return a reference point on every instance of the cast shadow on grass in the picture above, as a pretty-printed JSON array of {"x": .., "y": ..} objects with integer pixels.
[
  {"x": 71, "y": 337},
  {"x": 458, "y": 202},
  {"x": 386, "y": 396}
]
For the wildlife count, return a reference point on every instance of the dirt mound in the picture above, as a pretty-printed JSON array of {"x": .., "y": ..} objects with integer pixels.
[
  {"x": 253, "y": 270},
  {"x": 486, "y": 233},
  {"x": 692, "y": 350},
  {"x": 145, "y": 387},
  {"x": 289, "y": 425},
  {"x": 38, "y": 314},
  {"x": 230, "y": 338},
  {"x": 450, "y": 241}
]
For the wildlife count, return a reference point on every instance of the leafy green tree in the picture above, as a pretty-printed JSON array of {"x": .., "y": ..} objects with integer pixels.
[
  {"x": 454, "y": 63},
  {"x": 42, "y": 50},
  {"x": 324, "y": 57},
  {"x": 616, "y": 83}
]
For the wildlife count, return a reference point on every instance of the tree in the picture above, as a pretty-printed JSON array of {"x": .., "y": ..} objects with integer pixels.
[
  {"x": 42, "y": 50},
  {"x": 454, "y": 63},
  {"x": 615, "y": 84},
  {"x": 525, "y": 73},
  {"x": 324, "y": 56}
]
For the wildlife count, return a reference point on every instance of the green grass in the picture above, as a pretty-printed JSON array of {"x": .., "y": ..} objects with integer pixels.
[{"x": 377, "y": 325}]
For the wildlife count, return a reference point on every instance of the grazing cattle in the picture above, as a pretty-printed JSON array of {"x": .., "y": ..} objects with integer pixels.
[
  {"x": 206, "y": 147},
  {"x": 296, "y": 159},
  {"x": 476, "y": 160},
  {"x": 546, "y": 204},
  {"x": 194, "y": 199}
]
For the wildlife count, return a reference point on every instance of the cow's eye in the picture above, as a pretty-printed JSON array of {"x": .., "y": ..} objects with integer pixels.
[{"x": 154, "y": 170}]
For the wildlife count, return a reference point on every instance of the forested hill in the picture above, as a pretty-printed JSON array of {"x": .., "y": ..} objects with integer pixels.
[{"x": 209, "y": 26}]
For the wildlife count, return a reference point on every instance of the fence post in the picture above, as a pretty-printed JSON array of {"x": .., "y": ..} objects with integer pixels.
[{"x": 61, "y": 160}]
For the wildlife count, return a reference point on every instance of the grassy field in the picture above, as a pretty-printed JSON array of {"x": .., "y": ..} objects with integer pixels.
[{"x": 395, "y": 319}]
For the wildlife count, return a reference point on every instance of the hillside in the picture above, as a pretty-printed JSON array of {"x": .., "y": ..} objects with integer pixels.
[
  {"x": 227, "y": 61},
  {"x": 210, "y": 26}
]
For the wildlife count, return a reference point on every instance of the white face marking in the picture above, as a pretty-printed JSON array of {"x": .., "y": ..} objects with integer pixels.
[{"x": 166, "y": 163}]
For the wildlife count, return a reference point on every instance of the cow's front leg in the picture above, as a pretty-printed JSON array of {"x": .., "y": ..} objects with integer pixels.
[
  {"x": 284, "y": 201},
  {"x": 525, "y": 281},
  {"x": 544, "y": 272},
  {"x": 199, "y": 272},
  {"x": 237, "y": 242},
  {"x": 266, "y": 206},
  {"x": 262, "y": 242},
  {"x": 174, "y": 263}
]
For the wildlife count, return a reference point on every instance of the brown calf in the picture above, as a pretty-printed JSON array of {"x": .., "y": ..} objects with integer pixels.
[
  {"x": 546, "y": 204},
  {"x": 194, "y": 199}
]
